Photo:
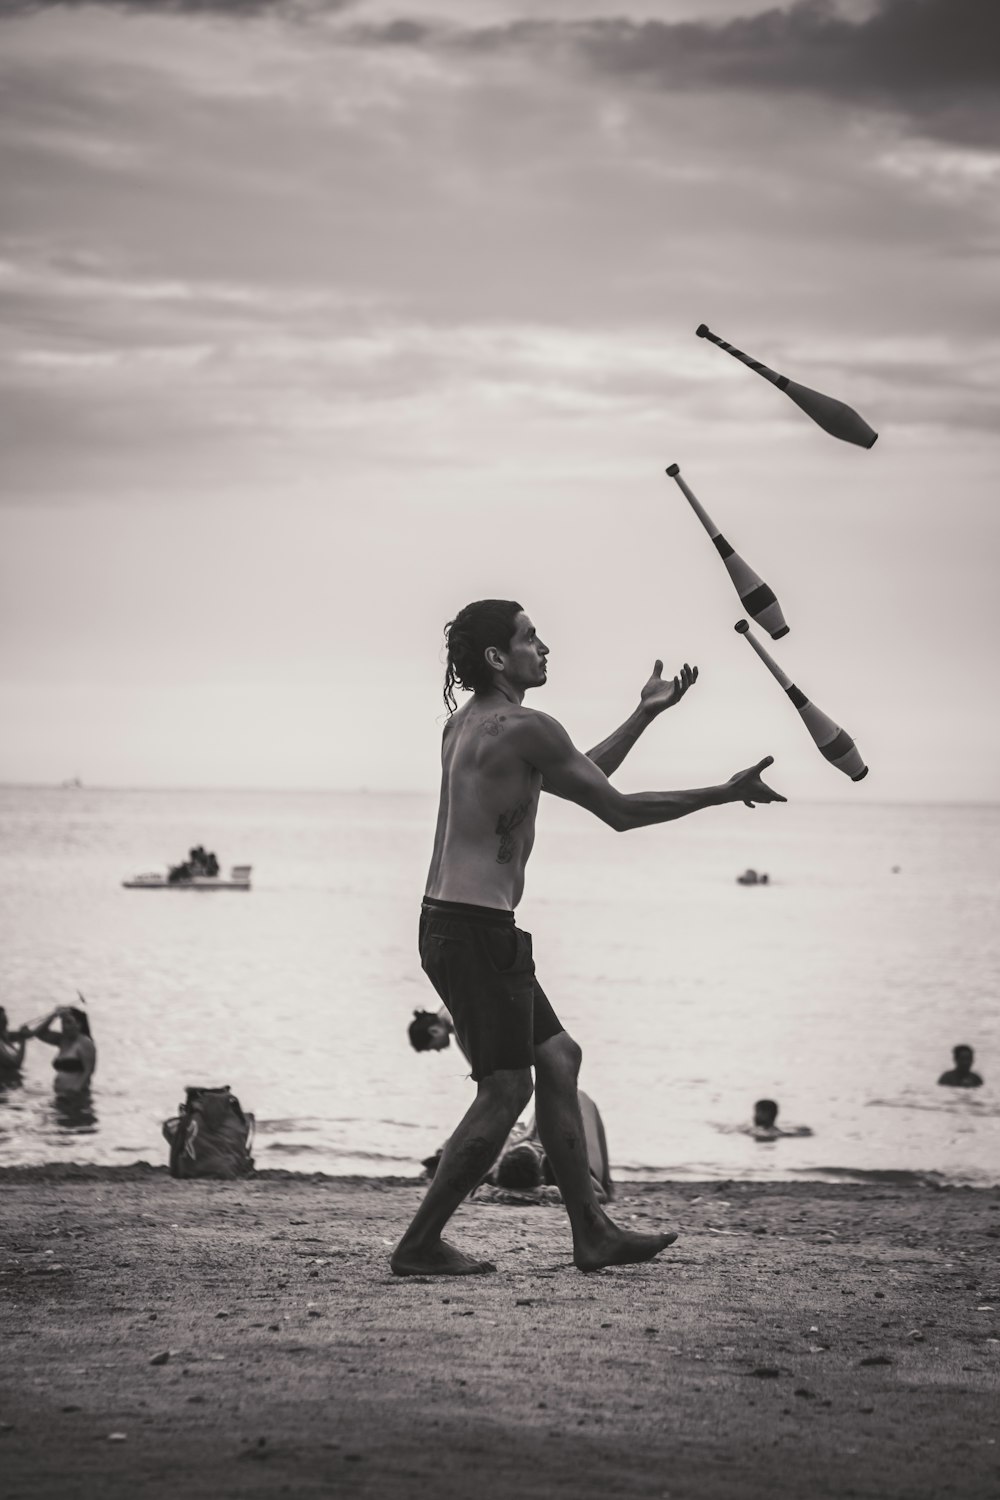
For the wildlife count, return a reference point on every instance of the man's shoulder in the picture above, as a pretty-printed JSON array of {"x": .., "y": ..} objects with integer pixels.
[
  {"x": 499, "y": 720},
  {"x": 532, "y": 720}
]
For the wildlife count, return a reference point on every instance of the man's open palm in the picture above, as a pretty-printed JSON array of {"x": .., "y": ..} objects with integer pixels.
[
  {"x": 658, "y": 695},
  {"x": 749, "y": 787}
]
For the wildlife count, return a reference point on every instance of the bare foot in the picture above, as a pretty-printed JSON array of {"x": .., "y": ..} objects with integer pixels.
[
  {"x": 621, "y": 1248},
  {"x": 441, "y": 1259}
]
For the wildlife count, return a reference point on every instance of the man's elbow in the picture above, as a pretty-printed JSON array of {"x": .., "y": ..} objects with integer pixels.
[{"x": 617, "y": 818}]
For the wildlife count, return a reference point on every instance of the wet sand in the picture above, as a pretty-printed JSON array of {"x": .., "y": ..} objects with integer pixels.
[{"x": 802, "y": 1340}]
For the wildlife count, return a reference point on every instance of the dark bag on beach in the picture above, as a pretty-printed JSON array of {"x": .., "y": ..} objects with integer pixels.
[{"x": 211, "y": 1137}]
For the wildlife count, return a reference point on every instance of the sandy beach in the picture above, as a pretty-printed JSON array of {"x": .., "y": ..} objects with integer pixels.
[{"x": 219, "y": 1339}]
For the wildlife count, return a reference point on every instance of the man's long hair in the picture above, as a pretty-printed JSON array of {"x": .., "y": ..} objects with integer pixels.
[{"x": 487, "y": 622}]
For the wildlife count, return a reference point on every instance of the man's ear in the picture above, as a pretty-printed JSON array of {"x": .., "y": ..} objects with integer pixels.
[{"x": 493, "y": 657}]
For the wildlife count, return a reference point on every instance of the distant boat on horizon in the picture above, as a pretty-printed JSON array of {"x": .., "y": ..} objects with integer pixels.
[
  {"x": 73, "y": 784},
  {"x": 237, "y": 880}
]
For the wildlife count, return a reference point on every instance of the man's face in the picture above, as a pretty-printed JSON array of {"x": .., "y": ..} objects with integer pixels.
[
  {"x": 963, "y": 1058},
  {"x": 525, "y": 656},
  {"x": 437, "y": 1036}
]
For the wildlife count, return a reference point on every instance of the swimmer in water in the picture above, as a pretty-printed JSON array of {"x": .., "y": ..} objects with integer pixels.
[
  {"x": 11, "y": 1047},
  {"x": 76, "y": 1058},
  {"x": 961, "y": 1075},
  {"x": 765, "y": 1126}
]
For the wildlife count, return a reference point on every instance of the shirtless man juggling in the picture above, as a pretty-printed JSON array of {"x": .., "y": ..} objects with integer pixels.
[{"x": 497, "y": 757}]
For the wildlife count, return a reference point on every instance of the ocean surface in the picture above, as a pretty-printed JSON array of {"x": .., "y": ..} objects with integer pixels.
[{"x": 838, "y": 989}]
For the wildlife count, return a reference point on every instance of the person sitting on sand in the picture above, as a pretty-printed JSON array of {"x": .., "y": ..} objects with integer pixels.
[
  {"x": 11, "y": 1046},
  {"x": 76, "y": 1059},
  {"x": 765, "y": 1126},
  {"x": 524, "y": 1165},
  {"x": 961, "y": 1075}
]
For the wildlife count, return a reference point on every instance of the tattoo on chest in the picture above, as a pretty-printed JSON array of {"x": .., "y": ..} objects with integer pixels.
[
  {"x": 506, "y": 823},
  {"x": 494, "y": 724}
]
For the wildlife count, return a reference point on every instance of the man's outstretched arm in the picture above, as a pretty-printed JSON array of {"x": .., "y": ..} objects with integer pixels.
[
  {"x": 654, "y": 698},
  {"x": 569, "y": 773}
]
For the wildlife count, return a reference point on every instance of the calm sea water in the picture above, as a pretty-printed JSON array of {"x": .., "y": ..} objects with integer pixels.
[{"x": 838, "y": 989}]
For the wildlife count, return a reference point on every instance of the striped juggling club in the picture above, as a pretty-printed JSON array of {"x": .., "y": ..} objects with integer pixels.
[
  {"x": 756, "y": 596},
  {"x": 833, "y": 742},
  {"x": 835, "y": 417}
]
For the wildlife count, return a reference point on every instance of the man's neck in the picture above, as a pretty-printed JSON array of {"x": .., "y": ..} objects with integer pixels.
[{"x": 506, "y": 691}]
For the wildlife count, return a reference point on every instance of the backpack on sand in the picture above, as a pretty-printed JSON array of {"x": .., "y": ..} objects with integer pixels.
[{"x": 211, "y": 1137}]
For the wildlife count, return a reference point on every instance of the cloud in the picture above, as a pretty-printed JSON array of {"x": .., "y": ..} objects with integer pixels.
[
  {"x": 338, "y": 259},
  {"x": 935, "y": 62},
  {"x": 232, "y": 8}
]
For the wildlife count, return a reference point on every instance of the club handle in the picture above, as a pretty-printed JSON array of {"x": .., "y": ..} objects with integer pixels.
[
  {"x": 742, "y": 627},
  {"x": 674, "y": 473},
  {"x": 704, "y": 332}
]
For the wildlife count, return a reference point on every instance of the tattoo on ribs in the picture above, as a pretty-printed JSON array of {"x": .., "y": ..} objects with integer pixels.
[
  {"x": 494, "y": 724},
  {"x": 506, "y": 823}
]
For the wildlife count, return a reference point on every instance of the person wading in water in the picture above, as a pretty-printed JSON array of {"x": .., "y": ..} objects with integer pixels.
[{"x": 497, "y": 757}]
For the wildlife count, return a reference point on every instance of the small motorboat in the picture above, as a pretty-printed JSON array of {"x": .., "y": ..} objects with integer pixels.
[{"x": 238, "y": 880}]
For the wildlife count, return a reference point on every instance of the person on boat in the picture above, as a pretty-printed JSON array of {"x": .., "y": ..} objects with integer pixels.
[
  {"x": 12, "y": 1045},
  {"x": 203, "y": 863},
  {"x": 961, "y": 1075},
  {"x": 76, "y": 1058},
  {"x": 496, "y": 758}
]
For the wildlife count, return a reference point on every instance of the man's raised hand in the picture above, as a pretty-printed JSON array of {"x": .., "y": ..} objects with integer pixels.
[
  {"x": 658, "y": 695},
  {"x": 750, "y": 789}
]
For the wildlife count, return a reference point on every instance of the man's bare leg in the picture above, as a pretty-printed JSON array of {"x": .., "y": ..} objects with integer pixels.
[
  {"x": 597, "y": 1240},
  {"x": 467, "y": 1157}
]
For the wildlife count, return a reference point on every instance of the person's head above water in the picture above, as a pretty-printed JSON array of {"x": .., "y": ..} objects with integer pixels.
[
  {"x": 428, "y": 1032},
  {"x": 765, "y": 1112},
  {"x": 490, "y": 643},
  {"x": 74, "y": 1021},
  {"x": 961, "y": 1075}
]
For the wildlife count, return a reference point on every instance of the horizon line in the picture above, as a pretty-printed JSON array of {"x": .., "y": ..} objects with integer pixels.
[{"x": 78, "y": 785}]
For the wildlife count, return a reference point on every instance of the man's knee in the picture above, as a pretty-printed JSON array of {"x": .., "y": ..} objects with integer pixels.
[
  {"x": 559, "y": 1058},
  {"x": 509, "y": 1090}
]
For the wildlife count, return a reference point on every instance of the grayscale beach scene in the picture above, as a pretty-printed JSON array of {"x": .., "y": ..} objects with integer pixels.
[{"x": 499, "y": 750}]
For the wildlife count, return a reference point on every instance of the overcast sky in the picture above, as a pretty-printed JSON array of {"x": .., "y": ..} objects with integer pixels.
[{"x": 322, "y": 319}]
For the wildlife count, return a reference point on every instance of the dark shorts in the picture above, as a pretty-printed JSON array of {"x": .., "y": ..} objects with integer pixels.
[{"x": 480, "y": 963}]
